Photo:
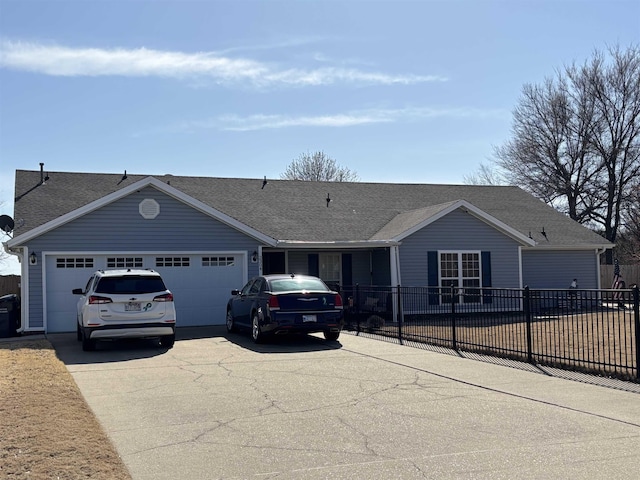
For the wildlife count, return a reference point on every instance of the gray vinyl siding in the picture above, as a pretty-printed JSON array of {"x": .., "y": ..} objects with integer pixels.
[
  {"x": 556, "y": 269},
  {"x": 455, "y": 232},
  {"x": 119, "y": 227},
  {"x": 36, "y": 312}
]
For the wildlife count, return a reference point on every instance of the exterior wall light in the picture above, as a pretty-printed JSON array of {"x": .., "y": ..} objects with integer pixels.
[
  {"x": 254, "y": 257},
  {"x": 33, "y": 259}
]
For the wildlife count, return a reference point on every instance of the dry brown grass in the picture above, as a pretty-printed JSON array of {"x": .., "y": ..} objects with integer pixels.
[
  {"x": 599, "y": 343},
  {"x": 47, "y": 430}
]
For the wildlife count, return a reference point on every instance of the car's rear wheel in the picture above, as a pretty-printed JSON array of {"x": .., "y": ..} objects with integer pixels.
[
  {"x": 231, "y": 326},
  {"x": 331, "y": 336},
  {"x": 256, "y": 332},
  {"x": 88, "y": 345},
  {"x": 168, "y": 340}
]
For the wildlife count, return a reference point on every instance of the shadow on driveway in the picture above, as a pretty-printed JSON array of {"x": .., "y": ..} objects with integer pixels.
[
  {"x": 292, "y": 343},
  {"x": 70, "y": 352}
]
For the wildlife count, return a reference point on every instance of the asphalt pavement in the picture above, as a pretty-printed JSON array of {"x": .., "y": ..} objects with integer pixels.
[{"x": 216, "y": 406}]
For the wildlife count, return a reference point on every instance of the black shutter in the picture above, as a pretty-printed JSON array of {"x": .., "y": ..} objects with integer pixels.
[
  {"x": 347, "y": 274},
  {"x": 432, "y": 278},
  {"x": 314, "y": 264},
  {"x": 487, "y": 295}
]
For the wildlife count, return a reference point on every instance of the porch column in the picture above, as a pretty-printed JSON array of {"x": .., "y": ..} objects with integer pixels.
[{"x": 394, "y": 259}]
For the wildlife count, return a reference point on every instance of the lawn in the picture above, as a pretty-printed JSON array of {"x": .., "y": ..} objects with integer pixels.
[
  {"x": 47, "y": 429},
  {"x": 600, "y": 342}
]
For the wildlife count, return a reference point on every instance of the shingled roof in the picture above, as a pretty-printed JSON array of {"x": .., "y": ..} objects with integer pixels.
[{"x": 289, "y": 210}]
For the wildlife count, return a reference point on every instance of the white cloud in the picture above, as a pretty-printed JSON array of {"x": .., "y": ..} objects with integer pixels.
[
  {"x": 142, "y": 62},
  {"x": 339, "y": 120}
]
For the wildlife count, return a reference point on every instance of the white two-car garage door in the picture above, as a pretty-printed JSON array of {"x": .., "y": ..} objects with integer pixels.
[{"x": 200, "y": 282}]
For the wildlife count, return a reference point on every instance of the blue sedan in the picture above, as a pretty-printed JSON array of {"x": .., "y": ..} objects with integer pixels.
[{"x": 281, "y": 304}]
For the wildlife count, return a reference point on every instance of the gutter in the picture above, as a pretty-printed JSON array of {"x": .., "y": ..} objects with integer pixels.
[
  {"x": 337, "y": 245},
  {"x": 597, "y": 247}
]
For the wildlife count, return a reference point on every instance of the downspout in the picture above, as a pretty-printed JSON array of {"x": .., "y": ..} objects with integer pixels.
[
  {"x": 599, "y": 252},
  {"x": 520, "y": 266}
]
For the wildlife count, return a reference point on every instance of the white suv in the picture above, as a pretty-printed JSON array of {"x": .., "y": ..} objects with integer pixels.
[{"x": 125, "y": 304}]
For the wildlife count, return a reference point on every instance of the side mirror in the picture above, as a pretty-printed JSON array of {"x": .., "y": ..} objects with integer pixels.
[
  {"x": 235, "y": 292},
  {"x": 77, "y": 291}
]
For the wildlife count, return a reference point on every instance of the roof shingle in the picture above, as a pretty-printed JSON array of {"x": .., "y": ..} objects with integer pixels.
[{"x": 298, "y": 211}]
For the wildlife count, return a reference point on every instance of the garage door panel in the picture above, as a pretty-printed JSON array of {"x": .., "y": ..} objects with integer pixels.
[
  {"x": 63, "y": 274},
  {"x": 201, "y": 284}
]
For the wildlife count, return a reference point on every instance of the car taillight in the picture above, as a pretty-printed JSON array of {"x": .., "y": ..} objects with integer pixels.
[
  {"x": 338, "y": 301},
  {"x": 273, "y": 303},
  {"x": 165, "y": 297},
  {"x": 96, "y": 299}
]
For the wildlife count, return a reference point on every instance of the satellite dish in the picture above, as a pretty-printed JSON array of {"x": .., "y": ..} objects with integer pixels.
[{"x": 6, "y": 223}]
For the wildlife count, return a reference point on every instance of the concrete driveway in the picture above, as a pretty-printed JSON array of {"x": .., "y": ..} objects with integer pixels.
[{"x": 217, "y": 406}]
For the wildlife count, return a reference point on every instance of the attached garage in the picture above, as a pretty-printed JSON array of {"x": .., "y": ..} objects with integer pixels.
[
  {"x": 201, "y": 253},
  {"x": 200, "y": 282}
]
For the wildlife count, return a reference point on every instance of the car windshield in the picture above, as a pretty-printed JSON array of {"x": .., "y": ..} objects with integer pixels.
[
  {"x": 130, "y": 284},
  {"x": 297, "y": 284}
]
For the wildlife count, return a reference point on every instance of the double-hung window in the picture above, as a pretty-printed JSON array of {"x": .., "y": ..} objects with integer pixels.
[
  {"x": 460, "y": 276},
  {"x": 330, "y": 267}
]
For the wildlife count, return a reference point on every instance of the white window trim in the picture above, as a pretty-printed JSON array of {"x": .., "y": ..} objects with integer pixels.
[
  {"x": 326, "y": 255},
  {"x": 460, "y": 277}
]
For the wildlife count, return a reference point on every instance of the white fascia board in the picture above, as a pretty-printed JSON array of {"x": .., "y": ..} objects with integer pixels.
[
  {"x": 476, "y": 212},
  {"x": 293, "y": 244},
  {"x": 123, "y": 192}
]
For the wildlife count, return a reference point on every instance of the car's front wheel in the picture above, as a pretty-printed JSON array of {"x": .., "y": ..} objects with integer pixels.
[
  {"x": 256, "y": 332},
  {"x": 231, "y": 326},
  {"x": 331, "y": 336}
]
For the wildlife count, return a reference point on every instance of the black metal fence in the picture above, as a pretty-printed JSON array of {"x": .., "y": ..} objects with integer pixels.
[{"x": 591, "y": 331}]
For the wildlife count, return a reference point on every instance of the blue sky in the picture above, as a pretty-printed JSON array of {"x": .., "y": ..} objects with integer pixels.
[{"x": 398, "y": 91}]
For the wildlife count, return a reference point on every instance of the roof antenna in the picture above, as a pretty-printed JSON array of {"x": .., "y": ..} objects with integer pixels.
[
  {"x": 328, "y": 200},
  {"x": 124, "y": 177},
  {"x": 43, "y": 176},
  {"x": 544, "y": 234},
  {"x": 264, "y": 182}
]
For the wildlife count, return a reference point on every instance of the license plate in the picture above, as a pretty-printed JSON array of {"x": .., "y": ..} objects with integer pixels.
[
  {"x": 132, "y": 307},
  {"x": 309, "y": 318}
]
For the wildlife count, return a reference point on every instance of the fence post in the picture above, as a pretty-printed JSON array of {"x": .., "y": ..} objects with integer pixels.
[
  {"x": 400, "y": 316},
  {"x": 636, "y": 315},
  {"x": 357, "y": 297},
  {"x": 527, "y": 316},
  {"x": 454, "y": 338}
]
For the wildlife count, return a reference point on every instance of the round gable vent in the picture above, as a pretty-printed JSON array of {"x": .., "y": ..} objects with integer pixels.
[{"x": 149, "y": 208}]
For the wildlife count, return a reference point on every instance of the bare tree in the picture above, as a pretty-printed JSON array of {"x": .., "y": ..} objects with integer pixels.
[
  {"x": 615, "y": 134},
  {"x": 576, "y": 139},
  {"x": 628, "y": 244},
  {"x": 485, "y": 175},
  {"x": 318, "y": 167}
]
